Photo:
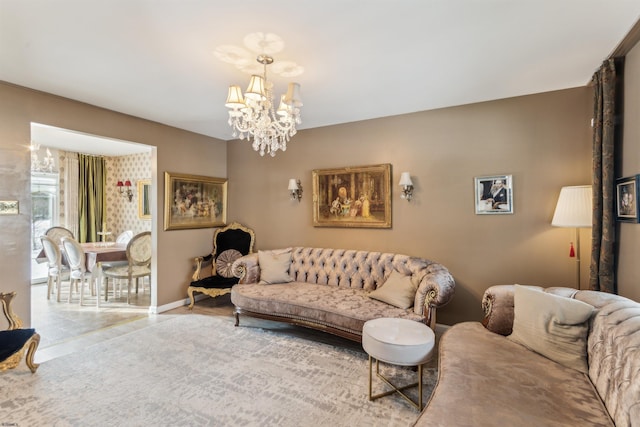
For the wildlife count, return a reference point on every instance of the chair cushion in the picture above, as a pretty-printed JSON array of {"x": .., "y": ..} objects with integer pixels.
[
  {"x": 217, "y": 282},
  {"x": 12, "y": 341},
  {"x": 123, "y": 271}
]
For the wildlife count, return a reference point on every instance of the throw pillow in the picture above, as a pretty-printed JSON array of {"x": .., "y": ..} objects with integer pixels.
[
  {"x": 224, "y": 262},
  {"x": 553, "y": 326},
  {"x": 398, "y": 290},
  {"x": 274, "y": 266}
]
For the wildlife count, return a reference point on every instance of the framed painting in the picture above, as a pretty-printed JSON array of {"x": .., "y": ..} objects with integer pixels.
[
  {"x": 144, "y": 199},
  {"x": 193, "y": 201},
  {"x": 627, "y": 199},
  {"x": 493, "y": 195},
  {"x": 357, "y": 196},
  {"x": 9, "y": 207}
]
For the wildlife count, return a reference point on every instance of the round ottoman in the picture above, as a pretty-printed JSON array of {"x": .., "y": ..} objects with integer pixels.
[{"x": 400, "y": 342}]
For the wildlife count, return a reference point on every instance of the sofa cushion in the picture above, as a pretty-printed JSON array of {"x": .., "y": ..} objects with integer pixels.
[
  {"x": 554, "y": 326},
  {"x": 485, "y": 379},
  {"x": 398, "y": 290},
  {"x": 274, "y": 266},
  {"x": 344, "y": 308}
]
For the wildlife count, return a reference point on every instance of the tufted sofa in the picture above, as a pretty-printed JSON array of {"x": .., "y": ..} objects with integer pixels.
[
  {"x": 486, "y": 379},
  {"x": 330, "y": 289}
]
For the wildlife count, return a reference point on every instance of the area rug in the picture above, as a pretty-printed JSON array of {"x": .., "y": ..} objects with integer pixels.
[{"x": 199, "y": 370}]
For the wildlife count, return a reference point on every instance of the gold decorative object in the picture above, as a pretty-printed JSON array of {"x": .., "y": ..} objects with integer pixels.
[{"x": 15, "y": 323}]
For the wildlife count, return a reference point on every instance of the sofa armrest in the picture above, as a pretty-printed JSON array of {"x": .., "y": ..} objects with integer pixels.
[
  {"x": 201, "y": 262},
  {"x": 247, "y": 268},
  {"x": 435, "y": 290},
  {"x": 497, "y": 304}
]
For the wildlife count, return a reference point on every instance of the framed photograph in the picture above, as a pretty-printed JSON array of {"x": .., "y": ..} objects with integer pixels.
[
  {"x": 493, "y": 195},
  {"x": 627, "y": 199},
  {"x": 9, "y": 207},
  {"x": 358, "y": 196},
  {"x": 144, "y": 199},
  {"x": 193, "y": 201}
]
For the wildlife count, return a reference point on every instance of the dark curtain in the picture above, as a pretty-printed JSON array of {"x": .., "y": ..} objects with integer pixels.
[
  {"x": 91, "y": 197},
  {"x": 602, "y": 270}
]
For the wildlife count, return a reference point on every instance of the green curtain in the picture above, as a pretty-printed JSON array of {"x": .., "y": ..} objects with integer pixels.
[
  {"x": 91, "y": 197},
  {"x": 602, "y": 269}
]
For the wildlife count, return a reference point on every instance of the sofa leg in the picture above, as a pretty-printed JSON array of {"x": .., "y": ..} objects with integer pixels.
[{"x": 237, "y": 318}]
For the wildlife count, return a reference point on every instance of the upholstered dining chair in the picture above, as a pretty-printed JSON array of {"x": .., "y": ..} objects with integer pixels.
[
  {"x": 138, "y": 262},
  {"x": 57, "y": 233},
  {"x": 229, "y": 243},
  {"x": 15, "y": 340},
  {"x": 124, "y": 237},
  {"x": 77, "y": 265},
  {"x": 55, "y": 268}
]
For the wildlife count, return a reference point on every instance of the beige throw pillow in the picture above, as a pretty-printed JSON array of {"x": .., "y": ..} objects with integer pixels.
[
  {"x": 398, "y": 290},
  {"x": 274, "y": 266},
  {"x": 554, "y": 326}
]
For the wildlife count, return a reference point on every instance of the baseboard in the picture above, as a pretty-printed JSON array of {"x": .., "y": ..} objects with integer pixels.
[{"x": 175, "y": 304}]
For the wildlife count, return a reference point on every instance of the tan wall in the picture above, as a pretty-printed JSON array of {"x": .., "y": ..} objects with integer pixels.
[
  {"x": 175, "y": 151},
  {"x": 542, "y": 140},
  {"x": 629, "y": 234}
]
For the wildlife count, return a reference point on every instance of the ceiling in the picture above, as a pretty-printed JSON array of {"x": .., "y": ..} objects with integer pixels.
[{"x": 156, "y": 59}]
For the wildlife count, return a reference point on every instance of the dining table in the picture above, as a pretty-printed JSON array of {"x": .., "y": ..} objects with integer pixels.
[{"x": 96, "y": 253}]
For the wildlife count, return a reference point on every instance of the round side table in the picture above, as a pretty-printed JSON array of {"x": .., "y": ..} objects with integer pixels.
[{"x": 400, "y": 342}]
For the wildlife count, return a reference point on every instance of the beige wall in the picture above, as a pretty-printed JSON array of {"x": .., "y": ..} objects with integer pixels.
[
  {"x": 174, "y": 150},
  {"x": 542, "y": 140},
  {"x": 629, "y": 234}
]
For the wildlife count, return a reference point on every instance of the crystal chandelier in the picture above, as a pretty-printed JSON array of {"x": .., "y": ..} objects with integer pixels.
[
  {"x": 253, "y": 116},
  {"x": 47, "y": 164}
]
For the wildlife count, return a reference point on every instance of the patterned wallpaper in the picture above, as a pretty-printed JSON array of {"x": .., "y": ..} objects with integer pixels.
[{"x": 121, "y": 214}]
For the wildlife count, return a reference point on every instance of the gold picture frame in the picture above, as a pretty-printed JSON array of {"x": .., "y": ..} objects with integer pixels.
[
  {"x": 144, "y": 199},
  {"x": 355, "y": 197},
  {"x": 193, "y": 201}
]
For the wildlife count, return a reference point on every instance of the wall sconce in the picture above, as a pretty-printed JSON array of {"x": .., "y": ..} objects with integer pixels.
[
  {"x": 407, "y": 186},
  {"x": 295, "y": 188},
  {"x": 126, "y": 192}
]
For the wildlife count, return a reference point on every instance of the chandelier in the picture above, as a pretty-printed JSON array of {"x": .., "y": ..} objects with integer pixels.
[
  {"x": 47, "y": 164},
  {"x": 254, "y": 115}
]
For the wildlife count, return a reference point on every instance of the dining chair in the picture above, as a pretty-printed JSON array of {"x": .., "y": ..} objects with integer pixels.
[
  {"x": 138, "y": 262},
  {"x": 124, "y": 237},
  {"x": 77, "y": 265},
  {"x": 57, "y": 233},
  {"x": 55, "y": 268}
]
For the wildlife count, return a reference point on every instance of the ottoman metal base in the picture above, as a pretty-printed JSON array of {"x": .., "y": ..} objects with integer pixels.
[{"x": 394, "y": 388}]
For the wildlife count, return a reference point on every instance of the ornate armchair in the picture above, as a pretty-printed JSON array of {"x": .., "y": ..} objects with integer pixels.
[
  {"x": 229, "y": 243},
  {"x": 15, "y": 340}
]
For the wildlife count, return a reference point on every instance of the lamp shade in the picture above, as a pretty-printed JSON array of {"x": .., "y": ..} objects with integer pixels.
[
  {"x": 574, "y": 208},
  {"x": 234, "y": 98},
  {"x": 405, "y": 179},
  {"x": 119, "y": 184},
  {"x": 256, "y": 90},
  {"x": 292, "y": 96},
  {"x": 293, "y": 184}
]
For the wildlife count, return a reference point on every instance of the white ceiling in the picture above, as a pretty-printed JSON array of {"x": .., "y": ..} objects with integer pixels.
[{"x": 155, "y": 58}]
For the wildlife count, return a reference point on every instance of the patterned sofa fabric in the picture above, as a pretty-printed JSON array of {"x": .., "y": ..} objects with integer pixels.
[
  {"x": 491, "y": 380},
  {"x": 331, "y": 286}
]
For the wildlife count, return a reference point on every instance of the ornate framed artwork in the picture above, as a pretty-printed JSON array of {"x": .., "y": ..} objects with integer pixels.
[
  {"x": 493, "y": 195},
  {"x": 144, "y": 199},
  {"x": 9, "y": 207},
  {"x": 193, "y": 201},
  {"x": 358, "y": 196},
  {"x": 627, "y": 199}
]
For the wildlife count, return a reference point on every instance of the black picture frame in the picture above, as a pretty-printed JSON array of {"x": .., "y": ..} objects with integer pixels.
[{"x": 627, "y": 190}]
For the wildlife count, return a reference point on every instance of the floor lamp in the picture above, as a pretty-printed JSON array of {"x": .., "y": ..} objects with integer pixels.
[{"x": 574, "y": 210}]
